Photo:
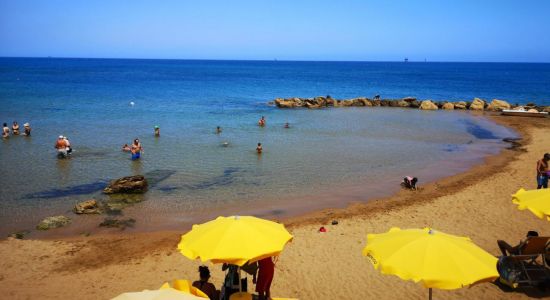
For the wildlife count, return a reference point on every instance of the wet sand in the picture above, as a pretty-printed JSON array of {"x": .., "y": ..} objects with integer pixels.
[{"x": 315, "y": 265}]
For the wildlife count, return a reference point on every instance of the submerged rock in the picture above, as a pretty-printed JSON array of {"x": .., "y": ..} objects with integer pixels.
[
  {"x": 53, "y": 222},
  {"x": 498, "y": 105},
  {"x": 19, "y": 235},
  {"x": 477, "y": 104},
  {"x": 117, "y": 223},
  {"x": 127, "y": 185},
  {"x": 428, "y": 105},
  {"x": 87, "y": 207}
]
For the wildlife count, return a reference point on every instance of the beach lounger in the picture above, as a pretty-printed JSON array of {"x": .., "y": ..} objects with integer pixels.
[{"x": 529, "y": 267}]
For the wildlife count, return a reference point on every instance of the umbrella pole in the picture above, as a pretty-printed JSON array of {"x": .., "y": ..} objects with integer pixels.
[
  {"x": 430, "y": 293},
  {"x": 240, "y": 282}
]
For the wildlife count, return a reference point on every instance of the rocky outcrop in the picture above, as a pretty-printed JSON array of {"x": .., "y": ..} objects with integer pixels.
[
  {"x": 428, "y": 105},
  {"x": 87, "y": 207},
  {"x": 477, "y": 104},
  {"x": 498, "y": 105},
  {"x": 460, "y": 105},
  {"x": 53, "y": 222},
  {"x": 546, "y": 109},
  {"x": 448, "y": 106},
  {"x": 282, "y": 103},
  {"x": 127, "y": 185}
]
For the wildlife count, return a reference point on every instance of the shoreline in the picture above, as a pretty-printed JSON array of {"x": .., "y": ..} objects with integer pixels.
[{"x": 106, "y": 259}]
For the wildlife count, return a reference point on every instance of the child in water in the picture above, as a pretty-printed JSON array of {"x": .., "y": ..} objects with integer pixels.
[
  {"x": 259, "y": 148},
  {"x": 157, "y": 130},
  {"x": 261, "y": 122}
]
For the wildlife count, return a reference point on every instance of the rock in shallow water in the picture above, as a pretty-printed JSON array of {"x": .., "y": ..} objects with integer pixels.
[
  {"x": 87, "y": 207},
  {"x": 118, "y": 223},
  {"x": 428, "y": 105},
  {"x": 127, "y": 185},
  {"x": 53, "y": 222}
]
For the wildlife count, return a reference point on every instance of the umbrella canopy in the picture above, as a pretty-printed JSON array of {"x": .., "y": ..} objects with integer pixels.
[
  {"x": 537, "y": 201},
  {"x": 437, "y": 259},
  {"x": 162, "y": 294},
  {"x": 234, "y": 240},
  {"x": 185, "y": 286}
]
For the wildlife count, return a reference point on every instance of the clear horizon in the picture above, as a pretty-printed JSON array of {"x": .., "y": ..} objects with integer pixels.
[{"x": 454, "y": 31}]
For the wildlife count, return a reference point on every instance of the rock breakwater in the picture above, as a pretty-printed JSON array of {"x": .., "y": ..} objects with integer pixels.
[{"x": 408, "y": 102}]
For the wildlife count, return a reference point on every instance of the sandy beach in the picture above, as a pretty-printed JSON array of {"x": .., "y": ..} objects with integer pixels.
[{"x": 314, "y": 265}]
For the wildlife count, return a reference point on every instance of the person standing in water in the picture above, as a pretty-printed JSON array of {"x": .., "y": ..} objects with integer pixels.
[
  {"x": 259, "y": 148},
  {"x": 68, "y": 145},
  {"x": 61, "y": 147},
  {"x": 157, "y": 131},
  {"x": 261, "y": 122},
  {"x": 5, "y": 131},
  {"x": 28, "y": 129},
  {"x": 542, "y": 172},
  {"x": 136, "y": 149},
  {"x": 287, "y": 125},
  {"x": 218, "y": 130},
  {"x": 15, "y": 128}
]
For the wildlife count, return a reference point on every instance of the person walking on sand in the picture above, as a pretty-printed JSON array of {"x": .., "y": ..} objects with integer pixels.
[
  {"x": 136, "y": 149},
  {"x": 15, "y": 128},
  {"x": 259, "y": 148},
  {"x": 542, "y": 172},
  {"x": 261, "y": 122},
  {"x": 27, "y": 128},
  {"x": 5, "y": 131},
  {"x": 265, "y": 277},
  {"x": 157, "y": 131}
]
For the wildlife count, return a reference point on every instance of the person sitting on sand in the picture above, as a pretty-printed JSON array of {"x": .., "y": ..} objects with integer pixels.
[
  {"x": 409, "y": 182},
  {"x": 15, "y": 128},
  {"x": 231, "y": 282},
  {"x": 259, "y": 148},
  {"x": 61, "y": 147},
  {"x": 5, "y": 131},
  {"x": 506, "y": 248},
  {"x": 206, "y": 287},
  {"x": 542, "y": 172},
  {"x": 126, "y": 148},
  {"x": 136, "y": 149},
  {"x": 157, "y": 131},
  {"x": 218, "y": 130},
  {"x": 261, "y": 122},
  {"x": 28, "y": 129}
]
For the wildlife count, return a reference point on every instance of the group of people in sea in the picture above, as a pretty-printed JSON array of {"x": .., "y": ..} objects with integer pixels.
[
  {"x": 136, "y": 149},
  {"x": 262, "y": 273},
  {"x": 15, "y": 129},
  {"x": 63, "y": 146}
]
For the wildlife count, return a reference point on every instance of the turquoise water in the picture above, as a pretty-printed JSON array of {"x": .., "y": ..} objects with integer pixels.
[{"x": 326, "y": 159}]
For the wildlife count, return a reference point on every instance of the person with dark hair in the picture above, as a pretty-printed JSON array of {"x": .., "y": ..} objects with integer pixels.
[
  {"x": 507, "y": 248},
  {"x": 5, "y": 131},
  {"x": 259, "y": 148},
  {"x": 218, "y": 130},
  {"x": 261, "y": 122},
  {"x": 136, "y": 149},
  {"x": 15, "y": 128},
  {"x": 542, "y": 172},
  {"x": 206, "y": 287},
  {"x": 410, "y": 182}
]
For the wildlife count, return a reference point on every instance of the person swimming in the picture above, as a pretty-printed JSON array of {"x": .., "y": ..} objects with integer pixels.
[
  {"x": 126, "y": 148},
  {"x": 259, "y": 148},
  {"x": 261, "y": 122},
  {"x": 15, "y": 128},
  {"x": 27, "y": 128},
  {"x": 287, "y": 125},
  {"x": 5, "y": 131}
]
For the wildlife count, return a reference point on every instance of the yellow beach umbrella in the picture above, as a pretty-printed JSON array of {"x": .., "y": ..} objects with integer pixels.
[
  {"x": 537, "y": 201},
  {"x": 234, "y": 240},
  {"x": 436, "y": 259},
  {"x": 161, "y": 294},
  {"x": 185, "y": 286}
]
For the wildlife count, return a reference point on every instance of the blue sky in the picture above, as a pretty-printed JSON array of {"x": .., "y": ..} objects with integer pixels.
[{"x": 453, "y": 30}]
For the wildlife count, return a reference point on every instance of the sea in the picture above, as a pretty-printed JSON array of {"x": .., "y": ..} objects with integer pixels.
[{"x": 327, "y": 158}]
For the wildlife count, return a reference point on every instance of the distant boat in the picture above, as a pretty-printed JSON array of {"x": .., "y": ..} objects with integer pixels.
[
  {"x": 406, "y": 59},
  {"x": 523, "y": 113}
]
